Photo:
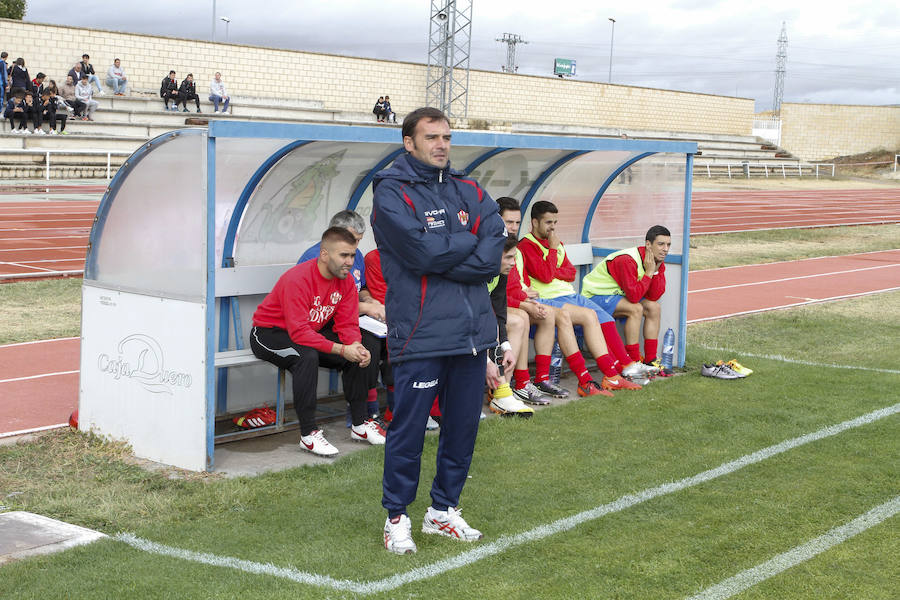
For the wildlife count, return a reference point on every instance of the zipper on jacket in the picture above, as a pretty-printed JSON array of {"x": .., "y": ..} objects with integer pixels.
[{"x": 471, "y": 321}]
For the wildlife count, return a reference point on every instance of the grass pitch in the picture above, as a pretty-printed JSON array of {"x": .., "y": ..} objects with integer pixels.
[{"x": 327, "y": 520}]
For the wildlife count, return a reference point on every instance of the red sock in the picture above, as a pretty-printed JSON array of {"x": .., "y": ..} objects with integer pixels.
[
  {"x": 520, "y": 378},
  {"x": 634, "y": 351},
  {"x": 650, "y": 350},
  {"x": 614, "y": 342},
  {"x": 541, "y": 367},
  {"x": 372, "y": 395},
  {"x": 576, "y": 363},
  {"x": 606, "y": 364},
  {"x": 435, "y": 408}
]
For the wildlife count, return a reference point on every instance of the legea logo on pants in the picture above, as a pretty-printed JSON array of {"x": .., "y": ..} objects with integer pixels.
[{"x": 424, "y": 385}]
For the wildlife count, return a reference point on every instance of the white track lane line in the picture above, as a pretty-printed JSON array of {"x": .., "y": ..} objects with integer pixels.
[
  {"x": 793, "y": 305},
  {"x": 65, "y": 339},
  {"x": 806, "y": 363},
  {"x": 41, "y": 376},
  {"x": 482, "y": 551},
  {"x": 807, "y": 226},
  {"x": 799, "y": 260},
  {"x": 33, "y": 430},
  {"x": 781, "y": 279},
  {"x": 795, "y": 556},
  {"x": 42, "y": 249}
]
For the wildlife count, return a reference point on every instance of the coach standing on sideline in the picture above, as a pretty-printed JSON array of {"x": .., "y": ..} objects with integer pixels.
[{"x": 440, "y": 238}]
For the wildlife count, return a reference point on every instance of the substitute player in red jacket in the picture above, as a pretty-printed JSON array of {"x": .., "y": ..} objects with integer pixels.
[
  {"x": 311, "y": 319},
  {"x": 629, "y": 283}
]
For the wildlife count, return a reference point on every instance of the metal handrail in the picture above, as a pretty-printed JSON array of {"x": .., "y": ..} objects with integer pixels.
[
  {"x": 109, "y": 154},
  {"x": 744, "y": 168}
]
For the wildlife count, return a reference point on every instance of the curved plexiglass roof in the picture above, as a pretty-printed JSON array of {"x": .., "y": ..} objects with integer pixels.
[{"x": 276, "y": 186}]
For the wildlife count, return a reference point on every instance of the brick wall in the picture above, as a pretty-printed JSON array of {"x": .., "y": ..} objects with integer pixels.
[
  {"x": 823, "y": 131},
  {"x": 352, "y": 84}
]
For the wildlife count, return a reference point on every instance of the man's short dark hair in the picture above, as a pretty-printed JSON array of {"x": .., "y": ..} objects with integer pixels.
[
  {"x": 85, "y": 56},
  {"x": 510, "y": 243},
  {"x": 84, "y": 77},
  {"x": 171, "y": 72},
  {"x": 40, "y": 76},
  {"x": 412, "y": 119},
  {"x": 506, "y": 203},
  {"x": 542, "y": 207},
  {"x": 338, "y": 234},
  {"x": 655, "y": 231},
  {"x": 3, "y": 55},
  {"x": 189, "y": 75},
  {"x": 115, "y": 59}
]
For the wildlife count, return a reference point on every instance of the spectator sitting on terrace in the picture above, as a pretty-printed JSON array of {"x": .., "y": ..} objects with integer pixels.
[
  {"x": 84, "y": 91},
  {"x": 45, "y": 109},
  {"x": 69, "y": 97},
  {"x": 115, "y": 78},
  {"x": 389, "y": 114},
  {"x": 60, "y": 111},
  {"x": 37, "y": 85},
  {"x": 310, "y": 319},
  {"x": 217, "y": 93},
  {"x": 629, "y": 283},
  {"x": 168, "y": 90},
  {"x": 75, "y": 73},
  {"x": 88, "y": 69},
  {"x": 379, "y": 109},
  {"x": 16, "y": 109},
  {"x": 188, "y": 91},
  {"x": 18, "y": 76}
]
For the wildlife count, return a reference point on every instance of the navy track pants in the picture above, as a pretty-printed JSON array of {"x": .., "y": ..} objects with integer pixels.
[{"x": 458, "y": 381}]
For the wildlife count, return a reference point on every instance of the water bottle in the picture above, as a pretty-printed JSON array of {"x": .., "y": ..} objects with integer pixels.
[
  {"x": 555, "y": 364},
  {"x": 668, "y": 349}
]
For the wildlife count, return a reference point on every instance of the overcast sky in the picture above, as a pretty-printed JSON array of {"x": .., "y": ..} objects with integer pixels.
[{"x": 844, "y": 53}]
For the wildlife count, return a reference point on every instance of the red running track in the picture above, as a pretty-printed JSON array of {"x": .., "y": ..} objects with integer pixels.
[
  {"x": 44, "y": 238},
  {"x": 47, "y": 238},
  {"x": 727, "y": 211},
  {"x": 733, "y": 291},
  {"x": 39, "y": 381}
]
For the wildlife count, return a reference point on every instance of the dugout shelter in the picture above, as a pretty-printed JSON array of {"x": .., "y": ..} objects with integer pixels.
[{"x": 198, "y": 224}]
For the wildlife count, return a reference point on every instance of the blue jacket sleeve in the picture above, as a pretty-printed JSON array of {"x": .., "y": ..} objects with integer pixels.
[
  {"x": 483, "y": 263},
  {"x": 399, "y": 232}
]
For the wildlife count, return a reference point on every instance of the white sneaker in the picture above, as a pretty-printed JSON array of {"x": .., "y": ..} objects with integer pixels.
[
  {"x": 639, "y": 370},
  {"x": 52, "y": 132},
  {"x": 369, "y": 431},
  {"x": 316, "y": 443},
  {"x": 40, "y": 132},
  {"x": 510, "y": 406},
  {"x": 398, "y": 535},
  {"x": 449, "y": 523},
  {"x": 431, "y": 424}
]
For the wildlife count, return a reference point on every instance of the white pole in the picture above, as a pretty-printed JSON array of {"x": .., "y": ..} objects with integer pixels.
[{"x": 47, "y": 164}]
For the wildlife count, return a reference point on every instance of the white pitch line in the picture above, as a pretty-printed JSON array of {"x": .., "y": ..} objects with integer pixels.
[
  {"x": 41, "y": 376},
  {"x": 806, "y": 363},
  {"x": 795, "y": 556},
  {"x": 751, "y": 283},
  {"x": 503, "y": 543}
]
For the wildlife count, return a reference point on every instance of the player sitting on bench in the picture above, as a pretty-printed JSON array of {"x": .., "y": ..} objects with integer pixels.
[{"x": 629, "y": 283}]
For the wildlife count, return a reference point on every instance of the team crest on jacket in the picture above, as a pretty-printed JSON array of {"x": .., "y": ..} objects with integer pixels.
[
  {"x": 335, "y": 297},
  {"x": 463, "y": 217}
]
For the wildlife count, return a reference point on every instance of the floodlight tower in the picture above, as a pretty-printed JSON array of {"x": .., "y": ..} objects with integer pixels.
[
  {"x": 449, "y": 45},
  {"x": 511, "y": 39},
  {"x": 780, "y": 61}
]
